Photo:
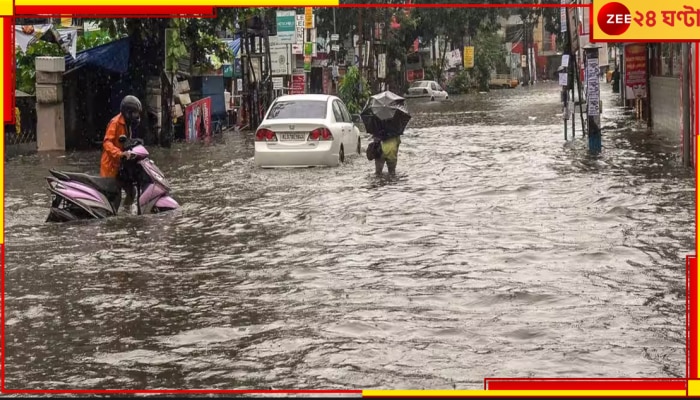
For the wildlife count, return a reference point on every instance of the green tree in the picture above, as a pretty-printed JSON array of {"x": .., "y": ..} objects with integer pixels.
[
  {"x": 25, "y": 72},
  {"x": 354, "y": 90},
  {"x": 489, "y": 55},
  {"x": 92, "y": 39},
  {"x": 551, "y": 17},
  {"x": 455, "y": 24},
  {"x": 199, "y": 35},
  {"x": 147, "y": 55}
]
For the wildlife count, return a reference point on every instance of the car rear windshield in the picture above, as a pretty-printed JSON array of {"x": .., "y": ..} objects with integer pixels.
[
  {"x": 420, "y": 84},
  {"x": 305, "y": 109}
]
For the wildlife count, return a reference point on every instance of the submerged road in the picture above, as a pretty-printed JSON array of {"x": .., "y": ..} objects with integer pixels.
[{"x": 498, "y": 251}]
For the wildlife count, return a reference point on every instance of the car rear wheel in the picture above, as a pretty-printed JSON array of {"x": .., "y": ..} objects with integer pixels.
[
  {"x": 432, "y": 98},
  {"x": 341, "y": 154}
]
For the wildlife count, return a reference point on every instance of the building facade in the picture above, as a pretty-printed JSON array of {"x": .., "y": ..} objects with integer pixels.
[{"x": 673, "y": 110}]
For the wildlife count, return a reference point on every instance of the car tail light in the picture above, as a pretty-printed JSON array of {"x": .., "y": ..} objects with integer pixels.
[
  {"x": 265, "y": 135},
  {"x": 321, "y": 134},
  {"x": 425, "y": 91}
]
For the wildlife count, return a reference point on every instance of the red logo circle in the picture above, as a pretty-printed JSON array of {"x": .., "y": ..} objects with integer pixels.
[{"x": 614, "y": 19}]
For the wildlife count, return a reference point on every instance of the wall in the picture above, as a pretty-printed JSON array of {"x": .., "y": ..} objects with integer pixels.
[
  {"x": 666, "y": 105},
  {"x": 89, "y": 104},
  {"x": 24, "y": 141}
]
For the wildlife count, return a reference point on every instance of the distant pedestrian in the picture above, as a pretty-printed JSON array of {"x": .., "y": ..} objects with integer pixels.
[{"x": 616, "y": 80}]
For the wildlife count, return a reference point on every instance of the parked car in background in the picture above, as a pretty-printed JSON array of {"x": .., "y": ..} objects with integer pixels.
[
  {"x": 427, "y": 89},
  {"x": 503, "y": 81},
  {"x": 306, "y": 130}
]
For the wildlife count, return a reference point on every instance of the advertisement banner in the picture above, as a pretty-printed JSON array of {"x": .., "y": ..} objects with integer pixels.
[
  {"x": 593, "y": 87},
  {"x": 299, "y": 36},
  {"x": 25, "y": 35},
  {"x": 298, "y": 83},
  {"x": 414, "y": 75},
  {"x": 562, "y": 17},
  {"x": 69, "y": 40},
  {"x": 635, "y": 71},
  {"x": 454, "y": 58},
  {"x": 198, "y": 120},
  {"x": 299, "y": 30},
  {"x": 603, "y": 58},
  {"x": 237, "y": 68},
  {"x": 286, "y": 26},
  {"x": 585, "y": 21},
  {"x": 309, "y": 18},
  {"x": 314, "y": 47},
  {"x": 468, "y": 56},
  {"x": 572, "y": 28},
  {"x": 280, "y": 60},
  {"x": 381, "y": 68}
]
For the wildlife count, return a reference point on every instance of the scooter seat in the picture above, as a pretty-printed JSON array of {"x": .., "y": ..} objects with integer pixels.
[{"x": 104, "y": 185}]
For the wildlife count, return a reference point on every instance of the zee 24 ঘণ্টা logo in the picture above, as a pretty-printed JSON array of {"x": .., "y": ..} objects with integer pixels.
[{"x": 614, "y": 18}]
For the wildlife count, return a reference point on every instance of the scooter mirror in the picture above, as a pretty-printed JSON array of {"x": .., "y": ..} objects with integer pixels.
[{"x": 122, "y": 139}]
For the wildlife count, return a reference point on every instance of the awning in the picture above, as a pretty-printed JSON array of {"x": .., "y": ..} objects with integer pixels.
[
  {"x": 113, "y": 56},
  {"x": 234, "y": 45}
]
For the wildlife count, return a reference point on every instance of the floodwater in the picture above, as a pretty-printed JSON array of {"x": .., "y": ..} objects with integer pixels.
[{"x": 497, "y": 251}]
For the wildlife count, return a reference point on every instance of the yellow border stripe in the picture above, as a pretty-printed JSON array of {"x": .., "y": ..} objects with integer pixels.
[
  {"x": 693, "y": 388},
  {"x": 538, "y": 393},
  {"x": 3, "y": 21},
  {"x": 695, "y": 385},
  {"x": 217, "y": 3},
  {"x": 7, "y": 8},
  {"x": 697, "y": 157}
]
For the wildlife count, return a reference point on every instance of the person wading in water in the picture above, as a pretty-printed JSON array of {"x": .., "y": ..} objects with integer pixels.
[{"x": 124, "y": 123}]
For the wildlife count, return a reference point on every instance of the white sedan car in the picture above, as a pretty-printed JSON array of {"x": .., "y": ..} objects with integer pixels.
[
  {"x": 306, "y": 130},
  {"x": 429, "y": 89}
]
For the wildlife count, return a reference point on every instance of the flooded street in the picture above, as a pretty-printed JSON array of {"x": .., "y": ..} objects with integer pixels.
[{"x": 498, "y": 251}]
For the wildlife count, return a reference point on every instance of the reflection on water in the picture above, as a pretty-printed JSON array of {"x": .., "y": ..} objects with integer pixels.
[{"x": 497, "y": 251}]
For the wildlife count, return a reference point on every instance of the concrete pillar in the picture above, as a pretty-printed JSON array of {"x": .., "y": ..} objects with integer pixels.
[
  {"x": 51, "y": 127},
  {"x": 154, "y": 103}
]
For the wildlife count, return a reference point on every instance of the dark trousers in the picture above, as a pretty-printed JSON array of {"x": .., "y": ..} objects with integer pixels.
[
  {"x": 379, "y": 165},
  {"x": 130, "y": 190}
]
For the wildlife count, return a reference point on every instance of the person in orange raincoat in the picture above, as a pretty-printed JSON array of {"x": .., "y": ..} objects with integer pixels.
[{"x": 123, "y": 123}]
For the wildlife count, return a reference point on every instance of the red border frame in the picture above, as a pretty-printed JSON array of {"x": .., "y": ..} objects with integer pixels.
[{"x": 489, "y": 383}]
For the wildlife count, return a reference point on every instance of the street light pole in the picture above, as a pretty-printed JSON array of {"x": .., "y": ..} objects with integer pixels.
[{"x": 526, "y": 52}]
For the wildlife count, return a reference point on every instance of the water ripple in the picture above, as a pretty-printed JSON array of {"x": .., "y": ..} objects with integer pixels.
[{"x": 497, "y": 251}]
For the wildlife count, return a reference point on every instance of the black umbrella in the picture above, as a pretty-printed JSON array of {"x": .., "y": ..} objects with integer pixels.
[{"x": 385, "y": 115}]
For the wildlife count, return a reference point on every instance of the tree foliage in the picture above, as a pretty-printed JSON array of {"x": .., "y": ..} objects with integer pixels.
[
  {"x": 454, "y": 24},
  {"x": 92, "y": 39},
  {"x": 198, "y": 35},
  {"x": 354, "y": 90},
  {"x": 489, "y": 54},
  {"x": 25, "y": 72}
]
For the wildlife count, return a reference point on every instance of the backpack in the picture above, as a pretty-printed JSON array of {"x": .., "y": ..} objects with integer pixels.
[{"x": 374, "y": 150}]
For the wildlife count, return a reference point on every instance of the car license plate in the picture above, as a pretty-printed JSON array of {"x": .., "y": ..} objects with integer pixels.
[{"x": 293, "y": 137}]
